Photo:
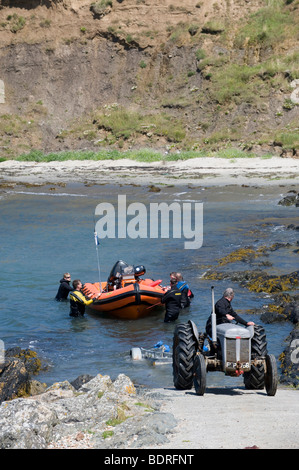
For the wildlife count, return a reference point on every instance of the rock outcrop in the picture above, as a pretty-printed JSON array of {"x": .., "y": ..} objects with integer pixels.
[
  {"x": 99, "y": 414},
  {"x": 16, "y": 374}
]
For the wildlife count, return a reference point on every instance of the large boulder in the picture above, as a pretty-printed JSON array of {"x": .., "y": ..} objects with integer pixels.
[
  {"x": 26, "y": 424},
  {"x": 16, "y": 371},
  {"x": 291, "y": 199},
  {"x": 100, "y": 414}
]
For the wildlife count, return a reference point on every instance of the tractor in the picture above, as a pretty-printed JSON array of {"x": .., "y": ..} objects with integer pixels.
[{"x": 233, "y": 349}]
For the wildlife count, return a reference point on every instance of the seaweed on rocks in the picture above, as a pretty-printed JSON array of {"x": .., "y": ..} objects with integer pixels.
[{"x": 16, "y": 372}]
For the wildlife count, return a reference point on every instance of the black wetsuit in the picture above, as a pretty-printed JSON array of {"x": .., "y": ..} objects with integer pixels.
[
  {"x": 187, "y": 295},
  {"x": 63, "y": 290},
  {"x": 172, "y": 301},
  {"x": 77, "y": 303},
  {"x": 222, "y": 308}
]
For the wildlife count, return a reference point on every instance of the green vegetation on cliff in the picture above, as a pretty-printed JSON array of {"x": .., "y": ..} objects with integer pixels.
[{"x": 205, "y": 77}]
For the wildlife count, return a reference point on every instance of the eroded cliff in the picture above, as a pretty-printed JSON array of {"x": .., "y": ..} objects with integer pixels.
[{"x": 146, "y": 73}]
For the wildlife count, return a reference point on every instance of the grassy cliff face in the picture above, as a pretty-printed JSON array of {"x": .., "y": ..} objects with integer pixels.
[{"x": 119, "y": 74}]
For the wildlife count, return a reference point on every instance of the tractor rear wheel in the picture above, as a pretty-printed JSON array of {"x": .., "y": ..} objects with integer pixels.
[
  {"x": 258, "y": 342},
  {"x": 255, "y": 379},
  {"x": 184, "y": 350}
]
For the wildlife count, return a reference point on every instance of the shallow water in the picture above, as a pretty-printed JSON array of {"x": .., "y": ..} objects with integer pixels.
[{"x": 45, "y": 232}]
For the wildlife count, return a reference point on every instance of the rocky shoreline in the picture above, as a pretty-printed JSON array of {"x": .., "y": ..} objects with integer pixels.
[
  {"x": 91, "y": 412},
  {"x": 98, "y": 413}
]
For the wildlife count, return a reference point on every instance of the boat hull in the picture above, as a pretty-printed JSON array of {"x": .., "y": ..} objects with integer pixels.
[{"x": 132, "y": 301}]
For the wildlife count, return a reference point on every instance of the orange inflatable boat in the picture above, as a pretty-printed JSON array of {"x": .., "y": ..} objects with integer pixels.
[{"x": 125, "y": 295}]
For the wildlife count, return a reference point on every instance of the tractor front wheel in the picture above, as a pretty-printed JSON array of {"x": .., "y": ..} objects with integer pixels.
[
  {"x": 271, "y": 377},
  {"x": 200, "y": 374}
]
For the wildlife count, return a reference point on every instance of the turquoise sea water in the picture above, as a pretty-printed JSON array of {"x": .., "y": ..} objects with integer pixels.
[{"x": 45, "y": 232}]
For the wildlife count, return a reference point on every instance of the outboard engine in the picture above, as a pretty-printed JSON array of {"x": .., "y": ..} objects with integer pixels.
[
  {"x": 123, "y": 271},
  {"x": 120, "y": 270}
]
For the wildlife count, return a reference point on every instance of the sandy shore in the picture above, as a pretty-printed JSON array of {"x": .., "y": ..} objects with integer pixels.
[
  {"x": 207, "y": 171},
  {"x": 232, "y": 418}
]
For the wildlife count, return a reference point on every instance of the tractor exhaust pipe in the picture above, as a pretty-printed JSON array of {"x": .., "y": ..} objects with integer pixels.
[{"x": 213, "y": 318}]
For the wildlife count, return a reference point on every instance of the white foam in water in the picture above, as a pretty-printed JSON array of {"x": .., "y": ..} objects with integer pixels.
[{"x": 47, "y": 194}]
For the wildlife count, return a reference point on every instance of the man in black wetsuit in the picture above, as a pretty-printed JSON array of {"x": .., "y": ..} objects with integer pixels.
[
  {"x": 187, "y": 294},
  {"x": 78, "y": 300},
  {"x": 225, "y": 313},
  {"x": 64, "y": 287},
  {"x": 172, "y": 301}
]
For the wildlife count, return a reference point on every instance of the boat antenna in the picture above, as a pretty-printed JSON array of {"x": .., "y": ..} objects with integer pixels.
[{"x": 97, "y": 242}]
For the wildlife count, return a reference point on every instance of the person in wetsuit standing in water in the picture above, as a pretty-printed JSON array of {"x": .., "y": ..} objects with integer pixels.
[
  {"x": 64, "y": 288},
  {"x": 172, "y": 301},
  {"x": 78, "y": 301}
]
